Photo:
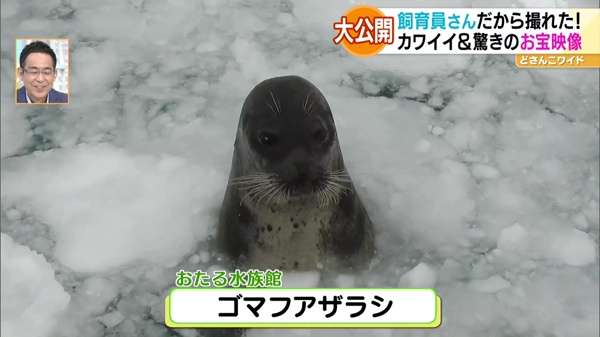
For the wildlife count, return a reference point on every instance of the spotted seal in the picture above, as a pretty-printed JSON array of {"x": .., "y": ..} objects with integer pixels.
[{"x": 290, "y": 202}]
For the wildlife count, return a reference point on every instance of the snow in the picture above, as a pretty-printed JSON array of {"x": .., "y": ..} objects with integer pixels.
[
  {"x": 32, "y": 299},
  {"x": 482, "y": 179}
]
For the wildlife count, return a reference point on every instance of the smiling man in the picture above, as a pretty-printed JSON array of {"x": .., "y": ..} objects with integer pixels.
[{"x": 38, "y": 72}]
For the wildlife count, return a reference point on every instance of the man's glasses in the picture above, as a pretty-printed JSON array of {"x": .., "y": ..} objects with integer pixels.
[{"x": 35, "y": 72}]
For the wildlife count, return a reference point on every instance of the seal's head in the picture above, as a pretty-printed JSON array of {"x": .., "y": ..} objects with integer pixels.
[{"x": 286, "y": 145}]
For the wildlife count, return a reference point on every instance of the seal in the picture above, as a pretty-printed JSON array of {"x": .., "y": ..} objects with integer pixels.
[{"x": 290, "y": 202}]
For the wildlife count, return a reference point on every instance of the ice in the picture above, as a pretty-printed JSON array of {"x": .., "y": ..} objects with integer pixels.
[
  {"x": 490, "y": 285},
  {"x": 471, "y": 105},
  {"x": 437, "y": 130},
  {"x": 421, "y": 276},
  {"x": 95, "y": 294},
  {"x": 96, "y": 197},
  {"x": 111, "y": 319},
  {"x": 97, "y": 78},
  {"x": 591, "y": 212},
  {"x": 580, "y": 221},
  {"x": 482, "y": 179},
  {"x": 345, "y": 281},
  {"x": 483, "y": 171},
  {"x": 32, "y": 299},
  {"x": 575, "y": 248},
  {"x": 420, "y": 84},
  {"x": 15, "y": 137},
  {"x": 512, "y": 237},
  {"x": 306, "y": 279},
  {"x": 567, "y": 246}
]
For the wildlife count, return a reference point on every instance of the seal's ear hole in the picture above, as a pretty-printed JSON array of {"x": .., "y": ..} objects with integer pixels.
[{"x": 267, "y": 138}]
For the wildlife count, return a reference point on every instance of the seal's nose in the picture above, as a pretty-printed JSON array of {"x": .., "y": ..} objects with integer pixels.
[
  {"x": 301, "y": 171},
  {"x": 296, "y": 173},
  {"x": 296, "y": 164}
]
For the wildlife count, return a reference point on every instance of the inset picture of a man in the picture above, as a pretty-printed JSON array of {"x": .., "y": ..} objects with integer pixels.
[{"x": 43, "y": 71}]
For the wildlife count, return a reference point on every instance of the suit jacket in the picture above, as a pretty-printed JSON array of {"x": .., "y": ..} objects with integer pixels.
[{"x": 53, "y": 96}]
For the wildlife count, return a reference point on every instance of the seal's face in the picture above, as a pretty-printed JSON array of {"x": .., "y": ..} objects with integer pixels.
[
  {"x": 287, "y": 127},
  {"x": 290, "y": 204}
]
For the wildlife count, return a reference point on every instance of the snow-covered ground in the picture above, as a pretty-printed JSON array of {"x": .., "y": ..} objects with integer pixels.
[{"x": 482, "y": 179}]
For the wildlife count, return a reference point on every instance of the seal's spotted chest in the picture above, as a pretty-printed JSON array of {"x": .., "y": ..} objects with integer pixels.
[
  {"x": 289, "y": 236},
  {"x": 290, "y": 203}
]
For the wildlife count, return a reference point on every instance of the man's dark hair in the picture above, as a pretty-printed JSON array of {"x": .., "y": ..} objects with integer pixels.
[{"x": 36, "y": 47}]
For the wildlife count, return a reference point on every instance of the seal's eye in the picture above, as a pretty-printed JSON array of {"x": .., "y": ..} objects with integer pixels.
[
  {"x": 267, "y": 138},
  {"x": 319, "y": 135}
]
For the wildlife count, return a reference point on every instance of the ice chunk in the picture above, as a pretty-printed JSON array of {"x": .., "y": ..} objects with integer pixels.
[
  {"x": 111, "y": 319},
  {"x": 575, "y": 248},
  {"x": 490, "y": 285},
  {"x": 471, "y": 105},
  {"x": 306, "y": 279},
  {"x": 109, "y": 208},
  {"x": 421, "y": 276},
  {"x": 94, "y": 295},
  {"x": 14, "y": 131},
  {"x": 512, "y": 237},
  {"x": 32, "y": 299},
  {"x": 482, "y": 171}
]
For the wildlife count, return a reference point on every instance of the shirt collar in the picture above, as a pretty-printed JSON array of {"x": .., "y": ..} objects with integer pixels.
[{"x": 29, "y": 101}]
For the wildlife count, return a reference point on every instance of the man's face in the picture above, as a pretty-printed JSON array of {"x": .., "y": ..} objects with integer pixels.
[{"x": 38, "y": 76}]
